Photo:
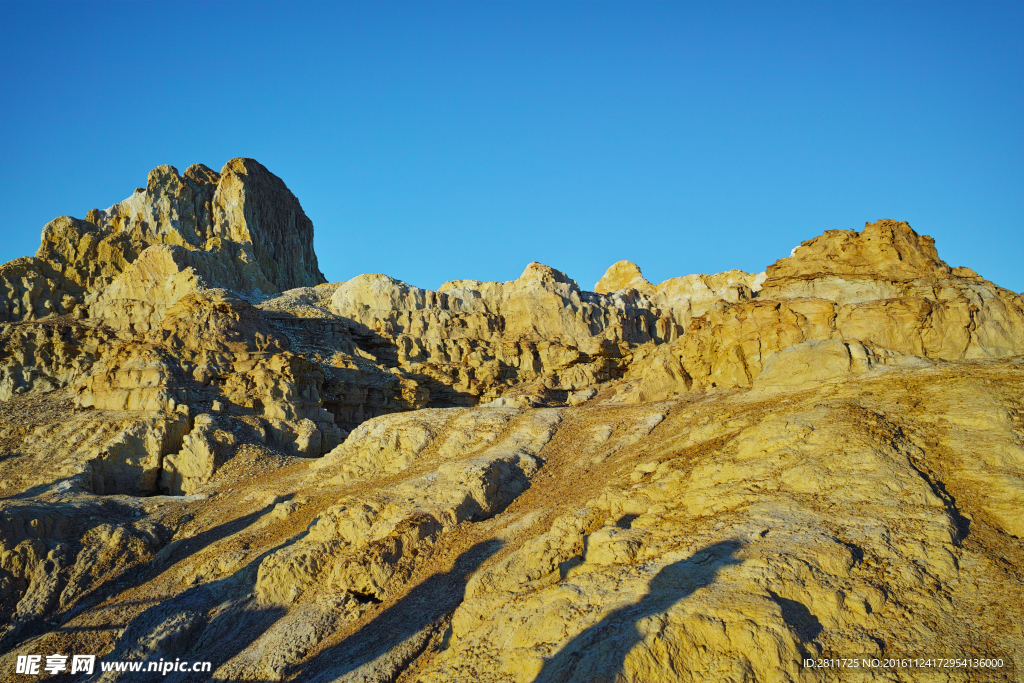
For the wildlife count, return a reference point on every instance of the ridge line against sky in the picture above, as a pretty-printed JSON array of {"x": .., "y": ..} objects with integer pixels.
[{"x": 450, "y": 140}]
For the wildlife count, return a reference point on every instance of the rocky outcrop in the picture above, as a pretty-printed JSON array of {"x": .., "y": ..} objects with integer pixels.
[
  {"x": 723, "y": 562},
  {"x": 886, "y": 260},
  {"x": 622, "y": 275},
  {"x": 214, "y": 352},
  {"x": 240, "y": 228},
  {"x": 203, "y": 451},
  {"x": 472, "y": 341},
  {"x": 542, "y": 304},
  {"x": 364, "y": 546},
  {"x": 40, "y": 358},
  {"x": 824, "y": 360},
  {"x": 884, "y": 288},
  {"x": 681, "y": 298},
  {"x": 207, "y": 453},
  {"x": 744, "y": 531}
]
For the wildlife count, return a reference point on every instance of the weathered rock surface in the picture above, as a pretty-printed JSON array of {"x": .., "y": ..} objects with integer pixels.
[
  {"x": 895, "y": 294},
  {"x": 240, "y": 228},
  {"x": 207, "y": 453}
]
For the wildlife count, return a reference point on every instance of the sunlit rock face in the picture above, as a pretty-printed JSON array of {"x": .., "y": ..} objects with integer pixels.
[
  {"x": 240, "y": 228},
  {"x": 208, "y": 453}
]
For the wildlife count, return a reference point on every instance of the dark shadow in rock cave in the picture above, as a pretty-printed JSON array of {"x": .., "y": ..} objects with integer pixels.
[
  {"x": 626, "y": 521},
  {"x": 618, "y": 631},
  {"x": 407, "y": 622}
]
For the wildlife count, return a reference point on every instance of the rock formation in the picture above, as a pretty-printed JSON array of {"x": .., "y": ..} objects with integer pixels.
[
  {"x": 240, "y": 228},
  {"x": 209, "y": 453}
]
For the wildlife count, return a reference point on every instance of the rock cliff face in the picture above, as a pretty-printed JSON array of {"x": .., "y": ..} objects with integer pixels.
[
  {"x": 208, "y": 453},
  {"x": 240, "y": 228}
]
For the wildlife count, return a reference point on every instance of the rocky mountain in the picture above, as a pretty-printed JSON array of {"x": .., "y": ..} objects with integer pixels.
[
  {"x": 240, "y": 228},
  {"x": 209, "y": 453}
]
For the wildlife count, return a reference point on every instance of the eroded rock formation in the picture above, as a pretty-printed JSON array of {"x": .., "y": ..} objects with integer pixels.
[
  {"x": 208, "y": 453},
  {"x": 240, "y": 228}
]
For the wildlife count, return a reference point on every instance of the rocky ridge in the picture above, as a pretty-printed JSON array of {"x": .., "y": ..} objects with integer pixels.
[
  {"x": 713, "y": 477},
  {"x": 240, "y": 228}
]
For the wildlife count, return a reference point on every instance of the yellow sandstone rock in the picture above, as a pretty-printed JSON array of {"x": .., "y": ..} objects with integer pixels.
[{"x": 207, "y": 453}]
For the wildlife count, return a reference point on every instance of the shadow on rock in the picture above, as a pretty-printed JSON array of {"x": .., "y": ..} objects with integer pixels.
[
  {"x": 218, "y": 617},
  {"x": 168, "y": 556},
  {"x": 599, "y": 652},
  {"x": 385, "y": 646}
]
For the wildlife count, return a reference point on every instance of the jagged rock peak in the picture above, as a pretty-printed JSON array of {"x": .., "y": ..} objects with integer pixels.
[
  {"x": 885, "y": 260},
  {"x": 538, "y": 272},
  {"x": 887, "y": 249},
  {"x": 242, "y": 229},
  {"x": 244, "y": 203},
  {"x": 621, "y": 275},
  {"x": 257, "y": 206}
]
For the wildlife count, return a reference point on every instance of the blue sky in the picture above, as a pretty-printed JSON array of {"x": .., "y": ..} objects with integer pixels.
[{"x": 434, "y": 141}]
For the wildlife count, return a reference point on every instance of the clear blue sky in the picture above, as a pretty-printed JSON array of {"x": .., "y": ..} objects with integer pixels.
[{"x": 435, "y": 141}]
